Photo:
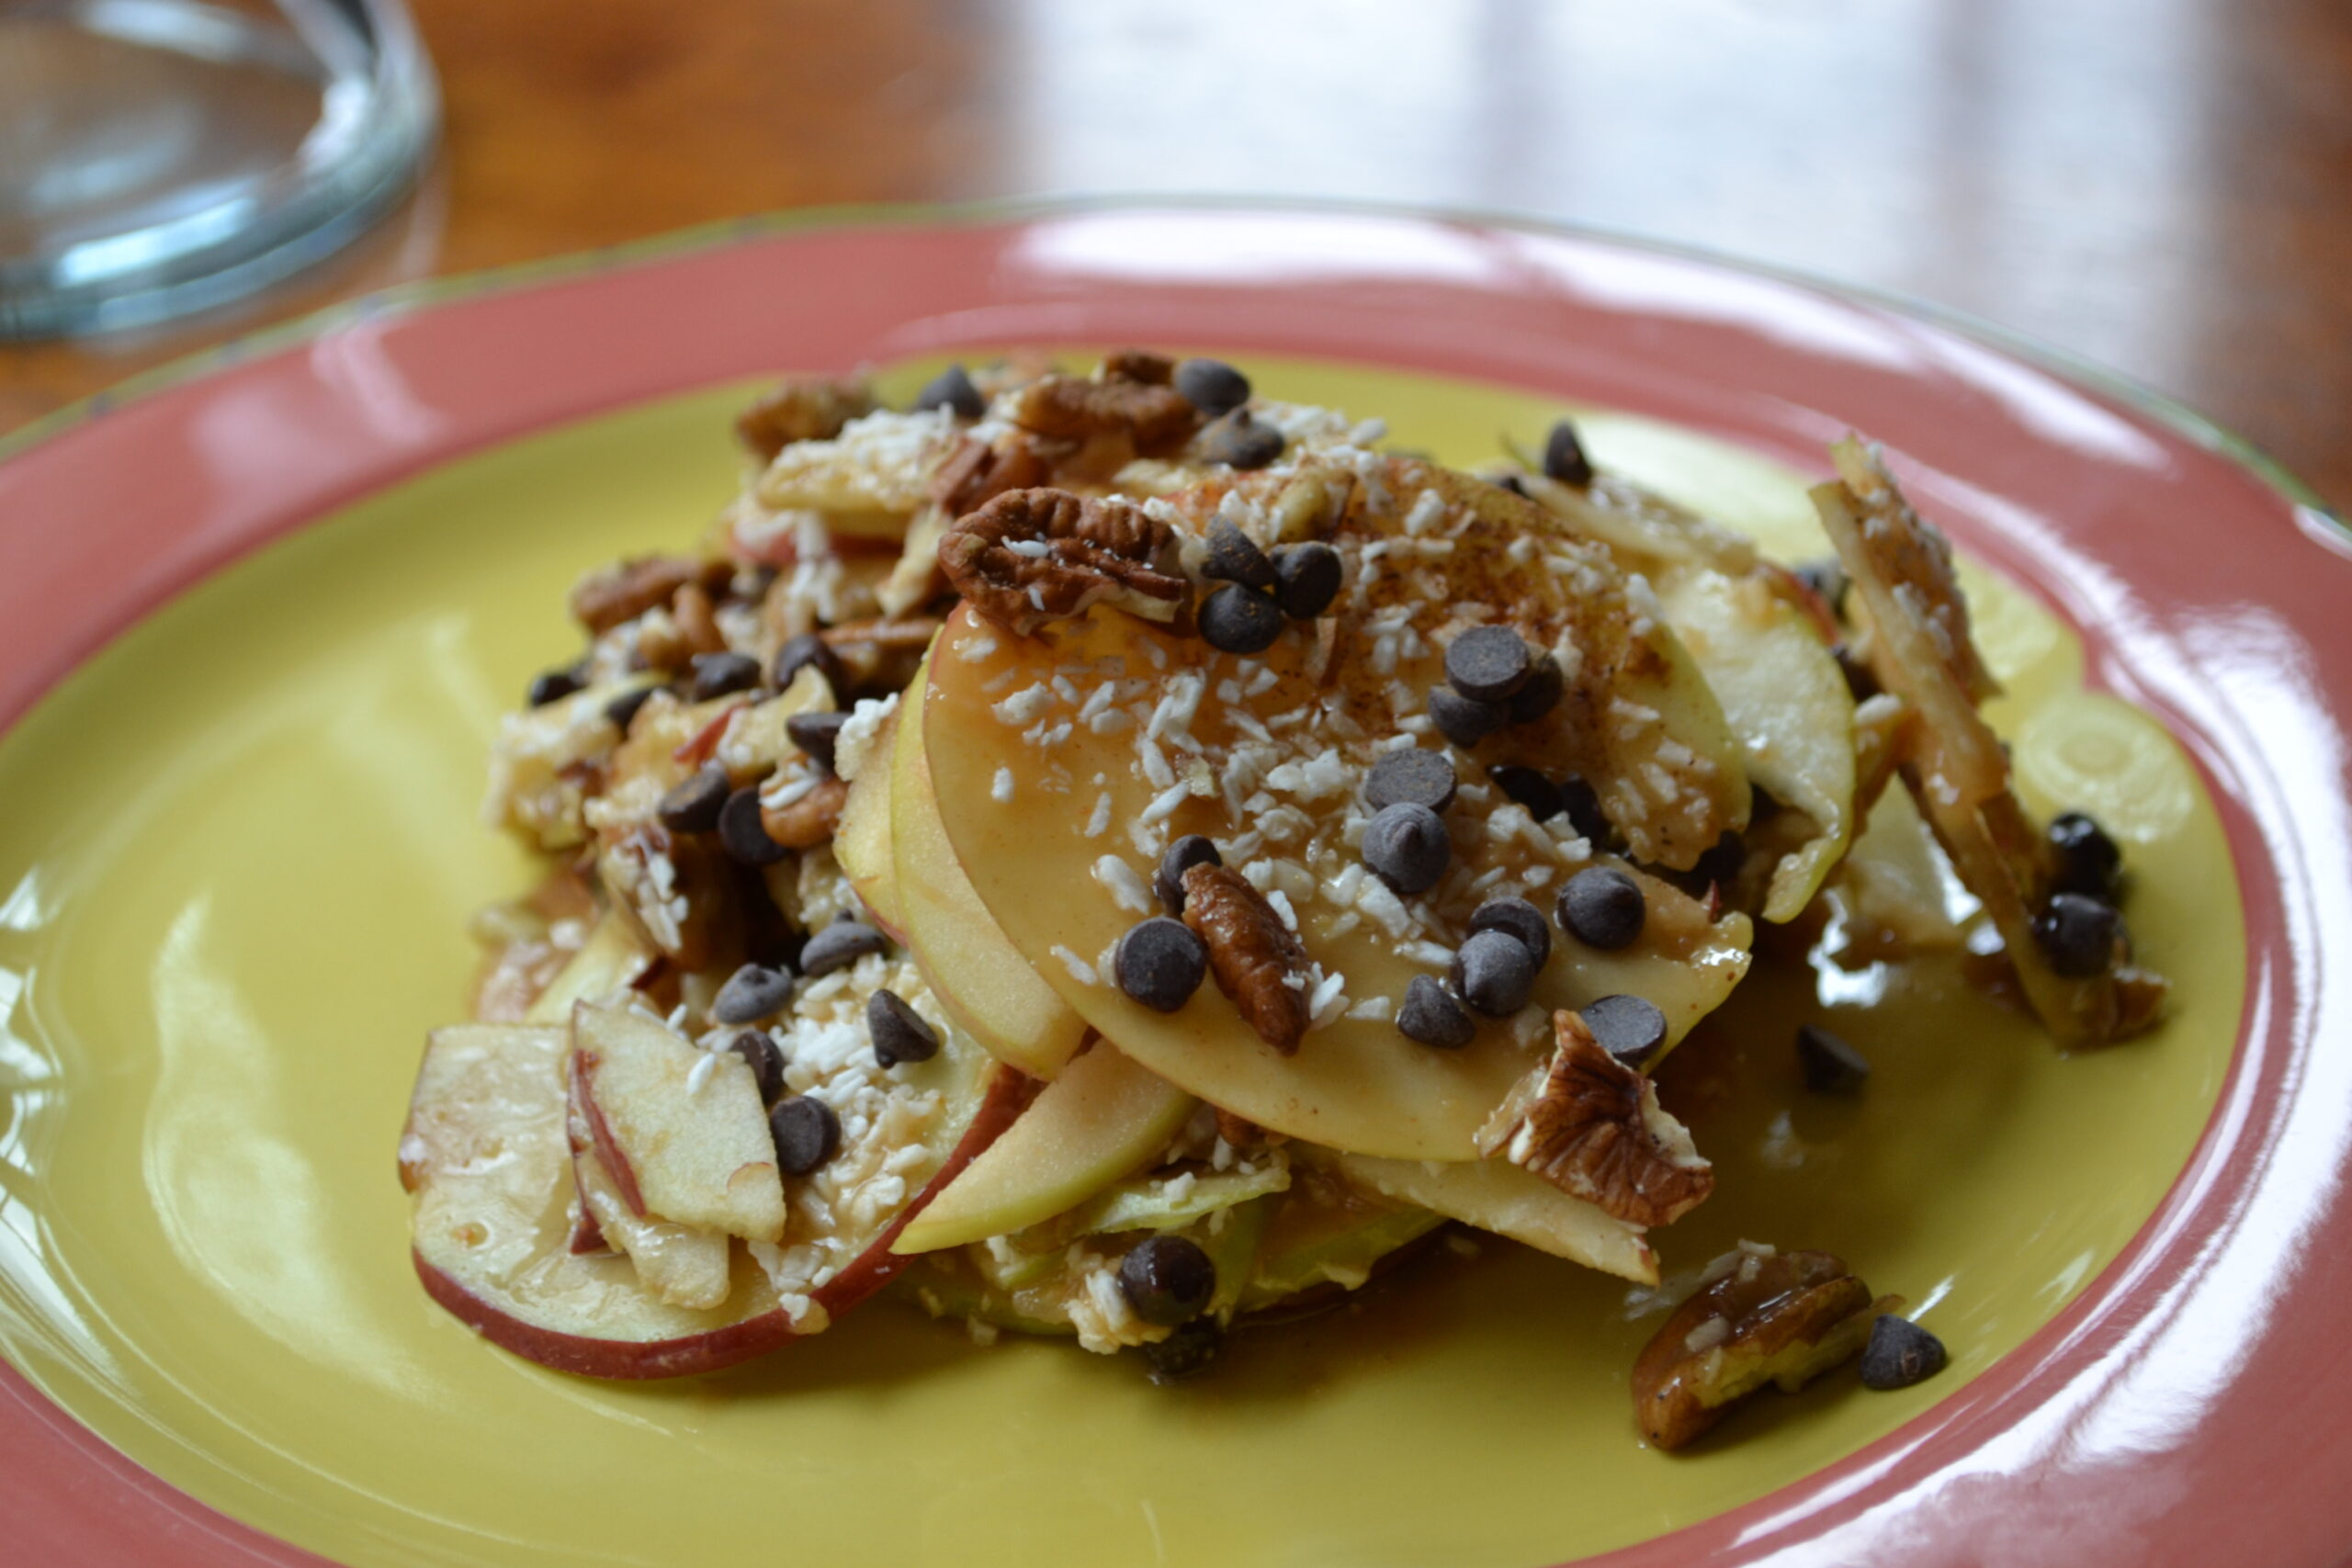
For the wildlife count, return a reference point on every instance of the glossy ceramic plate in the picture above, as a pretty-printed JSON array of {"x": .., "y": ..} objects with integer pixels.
[{"x": 238, "y": 847}]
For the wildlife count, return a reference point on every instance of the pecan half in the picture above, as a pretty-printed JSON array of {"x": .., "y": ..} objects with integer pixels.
[
  {"x": 1590, "y": 1125},
  {"x": 1033, "y": 556},
  {"x": 810, "y": 410},
  {"x": 1257, "y": 960},
  {"x": 809, "y": 820},
  {"x": 1156, "y": 420},
  {"x": 604, "y": 599},
  {"x": 979, "y": 471}
]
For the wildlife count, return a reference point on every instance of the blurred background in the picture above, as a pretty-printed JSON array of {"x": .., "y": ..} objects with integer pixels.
[{"x": 2162, "y": 185}]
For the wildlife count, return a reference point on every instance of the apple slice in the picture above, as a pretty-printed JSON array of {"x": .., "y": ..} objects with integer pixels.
[
  {"x": 681, "y": 1131},
  {"x": 486, "y": 1153},
  {"x": 611, "y": 960},
  {"x": 991, "y": 991},
  {"x": 862, "y": 844},
  {"x": 682, "y": 1267},
  {"x": 1509, "y": 1202},
  {"x": 1100, "y": 1120}
]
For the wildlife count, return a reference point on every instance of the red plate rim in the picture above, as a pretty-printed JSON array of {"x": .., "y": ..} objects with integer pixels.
[{"x": 2193, "y": 1402}]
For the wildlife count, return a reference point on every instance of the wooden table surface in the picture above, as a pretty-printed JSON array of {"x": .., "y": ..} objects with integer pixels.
[{"x": 2162, "y": 185}]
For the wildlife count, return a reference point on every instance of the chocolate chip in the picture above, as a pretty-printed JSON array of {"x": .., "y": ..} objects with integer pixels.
[
  {"x": 1187, "y": 1352},
  {"x": 757, "y": 1048},
  {"x": 1494, "y": 973},
  {"x": 805, "y": 649},
  {"x": 952, "y": 390},
  {"x": 898, "y": 1032},
  {"x": 1160, "y": 963},
  {"x": 1517, "y": 918},
  {"x": 1167, "y": 1280},
  {"x": 692, "y": 804},
  {"x": 2077, "y": 935},
  {"x": 1720, "y": 862},
  {"x": 815, "y": 734},
  {"x": 551, "y": 686},
  {"x": 2088, "y": 862},
  {"x": 1407, "y": 847},
  {"x": 1240, "y": 442},
  {"x": 1413, "y": 776},
  {"x": 1628, "y": 1028},
  {"x": 1236, "y": 619},
  {"x": 1511, "y": 483},
  {"x": 1601, "y": 907},
  {"x": 1830, "y": 1065},
  {"x": 1233, "y": 557},
  {"x": 622, "y": 709},
  {"x": 751, "y": 993},
  {"x": 1582, "y": 803},
  {"x": 1530, "y": 789},
  {"x": 807, "y": 1133},
  {"x": 1900, "y": 1353},
  {"x": 840, "y": 945},
  {"x": 1212, "y": 385},
  {"x": 1464, "y": 720},
  {"x": 717, "y": 674},
  {"x": 1826, "y": 578},
  {"x": 1564, "y": 457},
  {"x": 741, "y": 833},
  {"x": 1541, "y": 694},
  {"x": 1306, "y": 579},
  {"x": 1489, "y": 664},
  {"x": 1859, "y": 683},
  {"x": 1433, "y": 1016},
  {"x": 1181, "y": 856}
]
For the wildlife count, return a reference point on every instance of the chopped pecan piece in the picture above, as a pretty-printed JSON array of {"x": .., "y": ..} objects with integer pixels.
[
  {"x": 1033, "y": 556},
  {"x": 1156, "y": 420},
  {"x": 1257, "y": 960},
  {"x": 1781, "y": 1317},
  {"x": 809, "y": 820},
  {"x": 812, "y": 410},
  {"x": 691, "y": 608},
  {"x": 1590, "y": 1125},
  {"x": 602, "y": 600},
  {"x": 1138, "y": 364},
  {"x": 1237, "y": 1131},
  {"x": 978, "y": 472},
  {"x": 915, "y": 632}
]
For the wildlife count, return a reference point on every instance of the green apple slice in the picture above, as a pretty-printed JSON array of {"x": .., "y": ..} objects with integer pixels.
[
  {"x": 1100, "y": 1120},
  {"x": 1509, "y": 1202},
  {"x": 979, "y": 977}
]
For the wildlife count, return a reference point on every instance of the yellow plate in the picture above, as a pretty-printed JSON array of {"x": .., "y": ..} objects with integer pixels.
[{"x": 243, "y": 846}]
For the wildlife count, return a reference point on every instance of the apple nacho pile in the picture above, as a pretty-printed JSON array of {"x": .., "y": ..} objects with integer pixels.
[{"x": 1119, "y": 856}]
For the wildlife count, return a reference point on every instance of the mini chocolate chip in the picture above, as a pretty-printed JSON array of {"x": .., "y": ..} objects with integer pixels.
[
  {"x": 1628, "y": 1028},
  {"x": 1541, "y": 694},
  {"x": 1899, "y": 1354},
  {"x": 1859, "y": 683},
  {"x": 1410, "y": 775},
  {"x": 1167, "y": 1280},
  {"x": 742, "y": 834},
  {"x": 1233, "y": 557},
  {"x": 1494, "y": 972},
  {"x": 622, "y": 709},
  {"x": 1181, "y": 856},
  {"x": 1564, "y": 457},
  {"x": 805, "y": 650},
  {"x": 1236, "y": 619},
  {"x": 898, "y": 1032},
  {"x": 952, "y": 390},
  {"x": 1826, "y": 578},
  {"x": 1407, "y": 847},
  {"x": 1489, "y": 664},
  {"x": 692, "y": 804},
  {"x": 757, "y": 1048},
  {"x": 1582, "y": 803},
  {"x": 1720, "y": 862},
  {"x": 1240, "y": 442},
  {"x": 717, "y": 674},
  {"x": 815, "y": 734},
  {"x": 1187, "y": 1352},
  {"x": 1601, "y": 907},
  {"x": 1160, "y": 963},
  {"x": 1512, "y": 483},
  {"x": 2088, "y": 862},
  {"x": 1830, "y": 1065},
  {"x": 807, "y": 1133},
  {"x": 1530, "y": 789},
  {"x": 1465, "y": 721},
  {"x": 1517, "y": 918},
  {"x": 1433, "y": 1016},
  {"x": 1306, "y": 579},
  {"x": 751, "y": 993},
  {"x": 552, "y": 685},
  {"x": 840, "y": 945},
  {"x": 2077, "y": 935},
  {"x": 1212, "y": 385}
]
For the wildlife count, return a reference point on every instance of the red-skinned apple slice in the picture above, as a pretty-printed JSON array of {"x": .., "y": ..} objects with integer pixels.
[
  {"x": 684, "y": 1266},
  {"x": 486, "y": 1154},
  {"x": 862, "y": 844}
]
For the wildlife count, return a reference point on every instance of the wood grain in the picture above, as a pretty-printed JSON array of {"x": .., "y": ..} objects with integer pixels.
[{"x": 2162, "y": 185}]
